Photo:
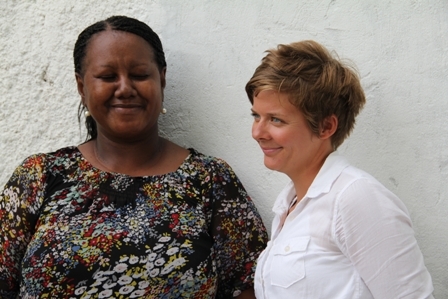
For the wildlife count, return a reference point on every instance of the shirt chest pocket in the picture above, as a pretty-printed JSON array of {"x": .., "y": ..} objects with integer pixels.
[{"x": 288, "y": 262}]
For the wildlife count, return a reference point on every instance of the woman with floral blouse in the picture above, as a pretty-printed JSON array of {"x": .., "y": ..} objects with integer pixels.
[{"x": 127, "y": 214}]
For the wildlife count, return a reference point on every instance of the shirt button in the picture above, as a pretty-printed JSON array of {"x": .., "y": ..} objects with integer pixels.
[{"x": 287, "y": 248}]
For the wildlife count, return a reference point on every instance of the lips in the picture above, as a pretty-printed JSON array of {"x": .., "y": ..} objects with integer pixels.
[
  {"x": 126, "y": 108},
  {"x": 270, "y": 151}
]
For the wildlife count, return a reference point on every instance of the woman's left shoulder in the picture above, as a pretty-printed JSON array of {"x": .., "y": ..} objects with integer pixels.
[
  {"x": 364, "y": 179},
  {"x": 362, "y": 191},
  {"x": 207, "y": 162}
]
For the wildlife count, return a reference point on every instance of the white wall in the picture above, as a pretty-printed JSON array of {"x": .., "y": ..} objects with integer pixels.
[{"x": 212, "y": 49}]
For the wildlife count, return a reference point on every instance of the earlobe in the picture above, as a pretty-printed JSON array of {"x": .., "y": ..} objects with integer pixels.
[{"x": 329, "y": 127}]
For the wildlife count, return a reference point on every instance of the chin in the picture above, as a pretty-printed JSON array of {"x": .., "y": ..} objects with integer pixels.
[{"x": 270, "y": 165}]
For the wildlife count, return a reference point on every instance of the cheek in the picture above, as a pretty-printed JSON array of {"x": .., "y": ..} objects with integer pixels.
[
  {"x": 89, "y": 91},
  {"x": 150, "y": 92},
  {"x": 96, "y": 93},
  {"x": 285, "y": 138}
]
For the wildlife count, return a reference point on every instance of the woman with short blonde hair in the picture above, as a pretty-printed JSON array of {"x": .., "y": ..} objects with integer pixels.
[{"x": 337, "y": 231}]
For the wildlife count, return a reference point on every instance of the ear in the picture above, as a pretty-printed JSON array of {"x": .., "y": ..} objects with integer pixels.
[
  {"x": 80, "y": 85},
  {"x": 329, "y": 127},
  {"x": 162, "y": 77}
]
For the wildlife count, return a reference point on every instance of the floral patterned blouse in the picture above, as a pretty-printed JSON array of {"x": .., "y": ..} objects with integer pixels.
[{"x": 70, "y": 230}]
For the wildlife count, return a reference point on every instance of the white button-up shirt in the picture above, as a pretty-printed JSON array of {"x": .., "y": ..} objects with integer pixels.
[{"x": 348, "y": 238}]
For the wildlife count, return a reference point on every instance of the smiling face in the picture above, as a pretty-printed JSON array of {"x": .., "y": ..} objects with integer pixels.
[
  {"x": 288, "y": 144},
  {"x": 121, "y": 85}
]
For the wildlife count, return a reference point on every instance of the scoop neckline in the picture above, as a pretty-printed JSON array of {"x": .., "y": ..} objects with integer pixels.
[{"x": 181, "y": 166}]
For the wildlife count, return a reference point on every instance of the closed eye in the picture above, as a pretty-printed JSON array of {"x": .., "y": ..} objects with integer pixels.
[
  {"x": 108, "y": 78},
  {"x": 140, "y": 77}
]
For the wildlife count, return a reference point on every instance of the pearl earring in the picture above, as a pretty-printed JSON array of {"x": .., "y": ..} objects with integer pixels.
[
  {"x": 163, "y": 110},
  {"x": 86, "y": 113}
]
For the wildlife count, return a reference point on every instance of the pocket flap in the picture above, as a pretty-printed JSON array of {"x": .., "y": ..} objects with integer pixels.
[{"x": 296, "y": 244}]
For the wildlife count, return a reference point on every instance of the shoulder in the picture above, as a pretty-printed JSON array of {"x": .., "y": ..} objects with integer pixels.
[
  {"x": 213, "y": 171},
  {"x": 69, "y": 151},
  {"x": 363, "y": 195},
  {"x": 354, "y": 181},
  {"x": 33, "y": 172},
  {"x": 208, "y": 163},
  {"x": 42, "y": 161}
]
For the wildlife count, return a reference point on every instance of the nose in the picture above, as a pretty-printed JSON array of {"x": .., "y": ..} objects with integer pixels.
[
  {"x": 259, "y": 130},
  {"x": 125, "y": 88}
]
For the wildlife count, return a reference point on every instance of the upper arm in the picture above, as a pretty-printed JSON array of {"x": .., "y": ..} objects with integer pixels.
[
  {"x": 375, "y": 232},
  {"x": 238, "y": 232},
  {"x": 20, "y": 202}
]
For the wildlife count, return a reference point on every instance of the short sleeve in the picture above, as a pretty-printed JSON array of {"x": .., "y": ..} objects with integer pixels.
[
  {"x": 20, "y": 201},
  {"x": 238, "y": 231},
  {"x": 374, "y": 230}
]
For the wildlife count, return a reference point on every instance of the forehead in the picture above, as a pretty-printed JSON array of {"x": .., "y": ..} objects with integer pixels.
[
  {"x": 274, "y": 100},
  {"x": 117, "y": 42}
]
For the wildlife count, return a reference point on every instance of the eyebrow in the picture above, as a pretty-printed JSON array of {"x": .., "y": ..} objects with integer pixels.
[
  {"x": 140, "y": 64},
  {"x": 270, "y": 114},
  {"x": 105, "y": 65},
  {"x": 132, "y": 65}
]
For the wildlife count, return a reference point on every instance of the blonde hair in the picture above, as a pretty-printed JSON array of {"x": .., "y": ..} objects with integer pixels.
[{"x": 316, "y": 83}]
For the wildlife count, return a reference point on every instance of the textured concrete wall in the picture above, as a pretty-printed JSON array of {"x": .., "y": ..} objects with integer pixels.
[{"x": 213, "y": 47}]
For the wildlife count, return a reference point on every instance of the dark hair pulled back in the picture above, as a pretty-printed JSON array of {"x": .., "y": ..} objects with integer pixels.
[{"x": 119, "y": 23}]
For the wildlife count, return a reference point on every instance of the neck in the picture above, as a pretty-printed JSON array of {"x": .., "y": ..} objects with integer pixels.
[
  {"x": 302, "y": 180},
  {"x": 133, "y": 158}
]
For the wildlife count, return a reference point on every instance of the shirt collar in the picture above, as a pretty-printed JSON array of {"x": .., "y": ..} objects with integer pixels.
[
  {"x": 284, "y": 199},
  {"x": 329, "y": 172},
  {"x": 333, "y": 166}
]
